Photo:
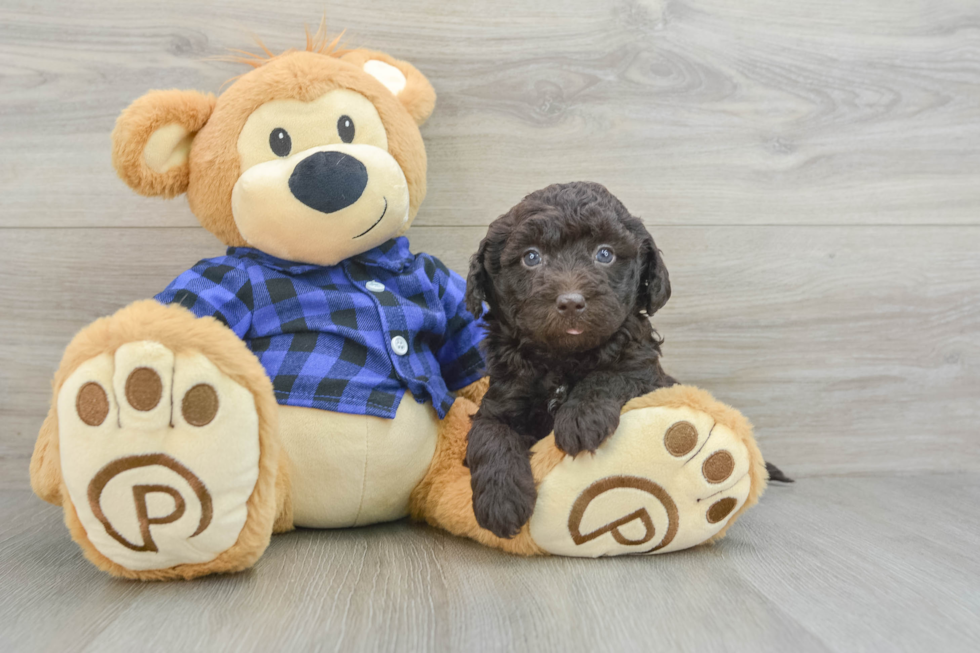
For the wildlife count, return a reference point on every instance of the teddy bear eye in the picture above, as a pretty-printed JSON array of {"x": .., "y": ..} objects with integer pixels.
[
  {"x": 531, "y": 258},
  {"x": 345, "y": 127},
  {"x": 605, "y": 255},
  {"x": 280, "y": 142}
]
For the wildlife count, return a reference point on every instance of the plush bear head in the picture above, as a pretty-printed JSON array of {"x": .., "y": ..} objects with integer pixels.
[{"x": 313, "y": 156}]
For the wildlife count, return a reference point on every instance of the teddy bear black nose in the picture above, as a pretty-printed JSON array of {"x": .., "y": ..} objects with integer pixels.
[{"x": 328, "y": 181}]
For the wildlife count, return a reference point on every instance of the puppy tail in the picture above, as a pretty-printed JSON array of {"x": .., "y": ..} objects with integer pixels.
[{"x": 776, "y": 474}]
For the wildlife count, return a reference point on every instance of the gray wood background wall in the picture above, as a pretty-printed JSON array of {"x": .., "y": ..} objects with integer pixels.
[{"x": 811, "y": 171}]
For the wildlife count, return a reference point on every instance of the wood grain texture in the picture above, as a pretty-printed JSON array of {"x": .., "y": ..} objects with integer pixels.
[
  {"x": 811, "y": 171},
  {"x": 696, "y": 112},
  {"x": 851, "y": 349},
  {"x": 864, "y": 563}
]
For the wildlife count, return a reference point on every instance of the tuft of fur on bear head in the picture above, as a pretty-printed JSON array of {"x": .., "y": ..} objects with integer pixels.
[{"x": 313, "y": 156}]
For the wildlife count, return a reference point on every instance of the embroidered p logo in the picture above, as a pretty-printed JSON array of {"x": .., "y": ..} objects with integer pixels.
[
  {"x": 638, "y": 517},
  {"x": 140, "y": 494}
]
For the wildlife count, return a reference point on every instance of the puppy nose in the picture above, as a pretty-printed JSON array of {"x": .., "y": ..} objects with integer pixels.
[
  {"x": 570, "y": 303},
  {"x": 328, "y": 181}
]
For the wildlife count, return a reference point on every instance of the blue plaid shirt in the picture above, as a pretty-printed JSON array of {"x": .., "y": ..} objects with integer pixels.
[{"x": 335, "y": 337}]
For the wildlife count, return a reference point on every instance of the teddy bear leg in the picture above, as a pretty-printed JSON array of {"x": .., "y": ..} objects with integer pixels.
[
  {"x": 162, "y": 447},
  {"x": 444, "y": 498},
  {"x": 283, "y": 522},
  {"x": 678, "y": 472}
]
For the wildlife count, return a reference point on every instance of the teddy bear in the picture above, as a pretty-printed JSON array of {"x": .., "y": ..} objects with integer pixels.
[{"x": 319, "y": 374}]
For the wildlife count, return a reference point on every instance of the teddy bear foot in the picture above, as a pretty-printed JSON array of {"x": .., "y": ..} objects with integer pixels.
[
  {"x": 161, "y": 446},
  {"x": 159, "y": 454},
  {"x": 675, "y": 474}
]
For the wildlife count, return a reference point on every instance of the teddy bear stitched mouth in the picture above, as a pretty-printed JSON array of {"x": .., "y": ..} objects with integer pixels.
[{"x": 375, "y": 222}]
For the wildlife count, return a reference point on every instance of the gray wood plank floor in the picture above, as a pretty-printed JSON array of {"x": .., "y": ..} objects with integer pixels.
[
  {"x": 852, "y": 350},
  {"x": 830, "y": 564},
  {"x": 811, "y": 170}
]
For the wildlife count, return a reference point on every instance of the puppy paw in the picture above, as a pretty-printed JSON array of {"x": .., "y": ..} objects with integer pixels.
[
  {"x": 503, "y": 499},
  {"x": 583, "y": 427}
]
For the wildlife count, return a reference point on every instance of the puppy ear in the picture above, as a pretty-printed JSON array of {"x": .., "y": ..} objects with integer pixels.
[
  {"x": 478, "y": 280},
  {"x": 403, "y": 79},
  {"x": 654, "y": 280},
  {"x": 152, "y": 140}
]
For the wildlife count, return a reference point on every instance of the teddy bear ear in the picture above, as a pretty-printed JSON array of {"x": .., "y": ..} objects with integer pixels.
[
  {"x": 152, "y": 140},
  {"x": 403, "y": 79}
]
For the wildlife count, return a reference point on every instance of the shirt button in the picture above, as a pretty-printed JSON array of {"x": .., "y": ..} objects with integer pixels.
[
  {"x": 375, "y": 286},
  {"x": 400, "y": 345}
]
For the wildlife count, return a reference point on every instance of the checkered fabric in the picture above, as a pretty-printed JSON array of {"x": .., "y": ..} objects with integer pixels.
[{"x": 331, "y": 337}]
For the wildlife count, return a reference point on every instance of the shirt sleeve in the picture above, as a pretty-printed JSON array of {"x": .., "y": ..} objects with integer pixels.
[
  {"x": 214, "y": 288},
  {"x": 460, "y": 358}
]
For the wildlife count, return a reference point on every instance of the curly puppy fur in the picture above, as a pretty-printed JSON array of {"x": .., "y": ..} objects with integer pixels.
[{"x": 570, "y": 279}]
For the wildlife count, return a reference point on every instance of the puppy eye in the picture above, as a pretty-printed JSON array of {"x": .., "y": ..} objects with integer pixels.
[
  {"x": 345, "y": 127},
  {"x": 532, "y": 258},
  {"x": 605, "y": 255},
  {"x": 280, "y": 142}
]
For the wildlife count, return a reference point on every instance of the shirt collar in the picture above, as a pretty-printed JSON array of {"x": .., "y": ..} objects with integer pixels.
[{"x": 392, "y": 255}]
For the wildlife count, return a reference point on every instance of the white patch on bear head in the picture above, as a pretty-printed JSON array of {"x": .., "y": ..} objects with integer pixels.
[{"x": 393, "y": 79}]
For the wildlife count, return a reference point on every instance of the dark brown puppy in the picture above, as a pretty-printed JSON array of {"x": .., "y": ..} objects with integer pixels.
[{"x": 570, "y": 278}]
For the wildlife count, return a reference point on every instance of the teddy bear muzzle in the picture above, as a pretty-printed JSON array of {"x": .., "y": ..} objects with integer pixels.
[{"x": 322, "y": 205}]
